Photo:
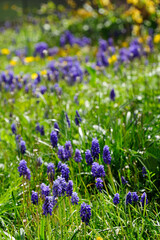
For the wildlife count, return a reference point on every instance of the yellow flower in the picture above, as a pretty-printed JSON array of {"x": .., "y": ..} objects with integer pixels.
[
  {"x": 140, "y": 40},
  {"x": 5, "y": 51},
  {"x": 34, "y": 76},
  {"x": 37, "y": 58},
  {"x": 29, "y": 59},
  {"x": 112, "y": 59},
  {"x": 84, "y": 13},
  {"x": 99, "y": 238},
  {"x": 50, "y": 58},
  {"x": 156, "y": 38},
  {"x": 124, "y": 44},
  {"x": 62, "y": 53},
  {"x": 43, "y": 72},
  {"x": 13, "y": 62},
  {"x": 147, "y": 49},
  {"x": 134, "y": 2},
  {"x": 150, "y": 7},
  {"x": 136, "y": 30}
]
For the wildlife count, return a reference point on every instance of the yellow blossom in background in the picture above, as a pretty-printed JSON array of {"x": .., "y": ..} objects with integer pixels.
[
  {"x": 125, "y": 44},
  {"x": 37, "y": 58},
  {"x": 136, "y": 30},
  {"x": 105, "y": 3},
  {"x": 5, "y": 6},
  {"x": 156, "y": 38},
  {"x": 150, "y": 6},
  {"x": 99, "y": 238},
  {"x": 71, "y": 3},
  {"x": 112, "y": 59},
  {"x": 134, "y": 2},
  {"x": 5, "y": 51},
  {"x": 147, "y": 49},
  {"x": 34, "y": 76},
  {"x": 43, "y": 72},
  {"x": 13, "y": 62},
  {"x": 84, "y": 13},
  {"x": 62, "y": 53},
  {"x": 50, "y": 58},
  {"x": 140, "y": 40},
  {"x": 136, "y": 16},
  {"x": 29, "y": 59}
]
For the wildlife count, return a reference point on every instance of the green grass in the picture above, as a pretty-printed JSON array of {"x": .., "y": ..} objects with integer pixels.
[{"x": 129, "y": 126}]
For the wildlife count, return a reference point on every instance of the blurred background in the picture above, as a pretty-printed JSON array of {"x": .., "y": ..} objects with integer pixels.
[{"x": 94, "y": 19}]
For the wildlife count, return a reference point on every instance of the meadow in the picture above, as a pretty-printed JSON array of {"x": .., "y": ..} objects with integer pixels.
[{"x": 79, "y": 129}]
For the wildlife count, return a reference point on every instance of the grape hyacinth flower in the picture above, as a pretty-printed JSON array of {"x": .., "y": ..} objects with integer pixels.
[
  {"x": 39, "y": 161},
  {"x": 13, "y": 128},
  {"x": 69, "y": 188},
  {"x": 59, "y": 187},
  {"x": 65, "y": 171},
  {"x": 56, "y": 128},
  {"x": 112, "y": 95},
  {"x": 34, "y": 198},
  {"x": 77, "y": 118},
  {"x": 95, "y": 149},
  {"x": 144, "y": 199},
  {"x": 77, "y": 156},
  {"x": 116, "y": 199},
  {"x": 38, "y": 127},
  {"x": 61, "y": 153},
  {"x": 68, "y": 150},
  {"x": 74, "y": 198},
  {"x": 135, "y": 197},
  {"x": 40, "y": 48},
  {"x": 129, "y": 198},
  {"x": 28, "y": 174},
  {"x": 88, "y": 157},
  {"x": 85, "y": 213},
  {"x": 51, "y": 171},
  {"x": 106, "y": 155},
  {"x": 99, "y": 184},
  {"x": 97, "y": 170},
  {"x": 144, "y": 172},
  {"x": 54, "y": 139},
  {"x": 124, "y": 182},
  {"x": 48, "y": 205},
  {"x": 43, "y": 89},
  {"x": 59, "y": 166},
  {"x": 22, "y": 146},
  {"x": 23, "y": 170},
  {"x": 42, "y": 130},
  {"x": 68, "y": 121},
  {"x": 45, "y": 190}
]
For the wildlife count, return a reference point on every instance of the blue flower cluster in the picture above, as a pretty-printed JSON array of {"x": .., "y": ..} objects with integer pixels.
[
  {"x": 40, "y": 129},
  {"x": 68, "y": 38},
  {"x": 131, "y": 197},
  {"x": 65, "y": 153},
  {"x": 97, "y": 170},
  {"x": 24, "y": 170},
  {"x": 51, "y": 171},
  {"x": 85, "y": 213}
]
